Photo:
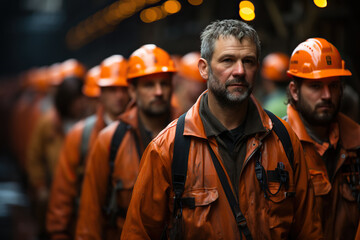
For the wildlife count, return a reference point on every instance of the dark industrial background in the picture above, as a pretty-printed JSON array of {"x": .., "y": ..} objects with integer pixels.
[{"x": 33, "y": 32}]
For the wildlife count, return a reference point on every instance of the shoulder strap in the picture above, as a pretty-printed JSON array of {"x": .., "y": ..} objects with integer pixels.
[
  {"x": 284, "y": 137},
  {"x": 116, "y": 140},
  {"x": 234, "y": 205},
  {"x": 85, "y": 138},
  {"x": 180, "y": 161}
]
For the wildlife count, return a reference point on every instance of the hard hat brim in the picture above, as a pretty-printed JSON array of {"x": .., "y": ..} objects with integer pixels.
[
  {"x": 112, "y": 82},
  {"x": 320, "y": 74}
]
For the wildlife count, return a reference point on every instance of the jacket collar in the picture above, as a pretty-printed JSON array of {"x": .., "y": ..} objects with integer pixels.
[
  {"x": 130, "y": 117},
  {"x": 348, "y": 129},
  {"x": 194, "y": 126},
  {"x": 297, "y": 124}
]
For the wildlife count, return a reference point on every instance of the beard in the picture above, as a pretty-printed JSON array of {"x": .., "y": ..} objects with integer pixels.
[
  {"x": 155, "y": 109},
  {"x": 313, "y": 117},
  {"x": 224, "y": 96}
]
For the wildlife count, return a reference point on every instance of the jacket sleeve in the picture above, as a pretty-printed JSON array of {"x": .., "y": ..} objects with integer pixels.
[
  {"x": 91, "y": 221},
  {"x": 149, "y": 206},
  {"x": 307, "y": 223},
  {"x": 36, "y": 165},
  {"x": 64, "y": 191}
]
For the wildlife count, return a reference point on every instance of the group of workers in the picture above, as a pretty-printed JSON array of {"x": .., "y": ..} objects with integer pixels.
[{"x": 163, "y": 147}]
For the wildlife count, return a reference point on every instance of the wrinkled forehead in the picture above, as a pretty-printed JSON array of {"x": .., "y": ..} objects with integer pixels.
[{"x": 232, "y": 44}]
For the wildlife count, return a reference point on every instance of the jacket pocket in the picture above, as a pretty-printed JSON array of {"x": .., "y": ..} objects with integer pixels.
[
  {"x": 202, "y": 196},
  {"x": 278, "y": 193},
  {"x": 281, "y": 206},
  {"x": 321, "y": 184},
  {"x": 198, "y": 219}
]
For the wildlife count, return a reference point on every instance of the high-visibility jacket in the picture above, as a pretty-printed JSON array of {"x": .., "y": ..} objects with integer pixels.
[
  {"x": 44, "y": 149},
  {"x": 335, "y": 203},
  {"x": 92, "y": 222},
  {"x": 279, "y": 217},
  {"x": 62, "y": 206},
  {"x": 27, "y": 111}
]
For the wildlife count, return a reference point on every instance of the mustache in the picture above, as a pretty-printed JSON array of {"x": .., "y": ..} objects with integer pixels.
[
  {"x": 157, "y": 99},
  {"x": 325, "y": 104},
  {"x": 237, "y": 81}
]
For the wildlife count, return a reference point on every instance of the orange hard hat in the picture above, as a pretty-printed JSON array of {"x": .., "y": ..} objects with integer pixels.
[
  {"x": 72, "y": 67},
  {"x": 113, "y": 72},
  {"x": 91, "y": 88},
  {"x": 274, "y": 67},
  {"x": 39, "y": 79},
  {"x": 316, "y": 58},
  {"x": 147, "y": 60},
  {"x": 188, "y": 67},
  {"x": 55, "y": 74}
]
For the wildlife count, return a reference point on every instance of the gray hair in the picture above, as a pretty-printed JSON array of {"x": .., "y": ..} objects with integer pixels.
[{"x": 226, "y": 28}]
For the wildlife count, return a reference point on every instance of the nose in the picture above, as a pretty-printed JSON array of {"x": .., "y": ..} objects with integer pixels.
[
  {"x": 325, "y": 94},
  {"x": 238, "y": 69},
  {"x": 158, "y": 89}
]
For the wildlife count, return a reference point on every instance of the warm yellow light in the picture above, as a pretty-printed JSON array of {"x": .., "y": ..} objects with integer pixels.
[
  {"x": 172, "y": 6},
  {"x": 195, "y": 2},
  {"x": 148, "y": 15},
  {"x": 247, "y": 10},
  {"x": 320, "y": 3},
  {"x": 247, "y": 14},
  {"x": 246, "y": 4}
]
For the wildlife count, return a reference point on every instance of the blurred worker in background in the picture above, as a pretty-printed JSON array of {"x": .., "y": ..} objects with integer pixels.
[
  {"x": 188, "y": 84},
  {"x": 331, "y": 140},
  {"x": 274, "y": 82},
  {"x": 106, "y": 83},
  {"x": 33, "y": 102},
  {"x": 91, "y": 90},
  {"x": 200, "y": 178},
  {"x": 48, "y": 135},
  {"x": 114, "y": 161}
]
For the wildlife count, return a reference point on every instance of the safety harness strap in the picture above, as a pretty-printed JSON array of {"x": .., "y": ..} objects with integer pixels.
[
  {"x": 239, "y": 217},
  {"x": 85, "y": 138},
  {"x": 179, "y": 165},
  {"x": 284, "y": 137},
  {"x": 84, "y": 148},
  {"x": 111, "y": 208}
]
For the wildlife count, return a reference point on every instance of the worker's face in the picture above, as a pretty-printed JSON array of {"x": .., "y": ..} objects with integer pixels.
[
  {"x": 232, "y": 71},
  {"x": 153, "y": 93},
  {"x": 318, "y": 101},
  {"x": 114, "y": 100}
]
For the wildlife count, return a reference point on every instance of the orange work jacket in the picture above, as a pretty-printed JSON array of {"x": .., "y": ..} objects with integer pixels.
[
  {"x": 44, "y": 149},
  {"x": 334, "y": 201},
  {"x": 92, "y": 223},
  {"x": 280, "y": 217},
  {"x": 62, "y": 206}
]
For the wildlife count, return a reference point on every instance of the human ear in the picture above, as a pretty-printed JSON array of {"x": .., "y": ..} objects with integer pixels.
[
  {"x": 203, "y": 68},
  {"x": 132, "y": 91},
  {"x": 294, "y": 91}
]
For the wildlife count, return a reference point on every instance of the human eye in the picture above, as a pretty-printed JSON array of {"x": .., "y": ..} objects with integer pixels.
[
  {"x": 249, "y": 61},
  {"x": 148, "y": 84},
  {"x": 315, "y": 85},
  {"x": 334, "y": 85}
]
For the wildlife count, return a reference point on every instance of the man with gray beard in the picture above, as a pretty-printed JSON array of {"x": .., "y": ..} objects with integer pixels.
[
  {"x": 331, "y": 140},
  {"x": 200, "y": 176}
]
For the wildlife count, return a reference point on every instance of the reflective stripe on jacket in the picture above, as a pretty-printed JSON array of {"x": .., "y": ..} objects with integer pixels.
[
  {"x": 337, "y": 206},
  {"x": 61, "y": 215},
  {"x": 283, "y": 216}
]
